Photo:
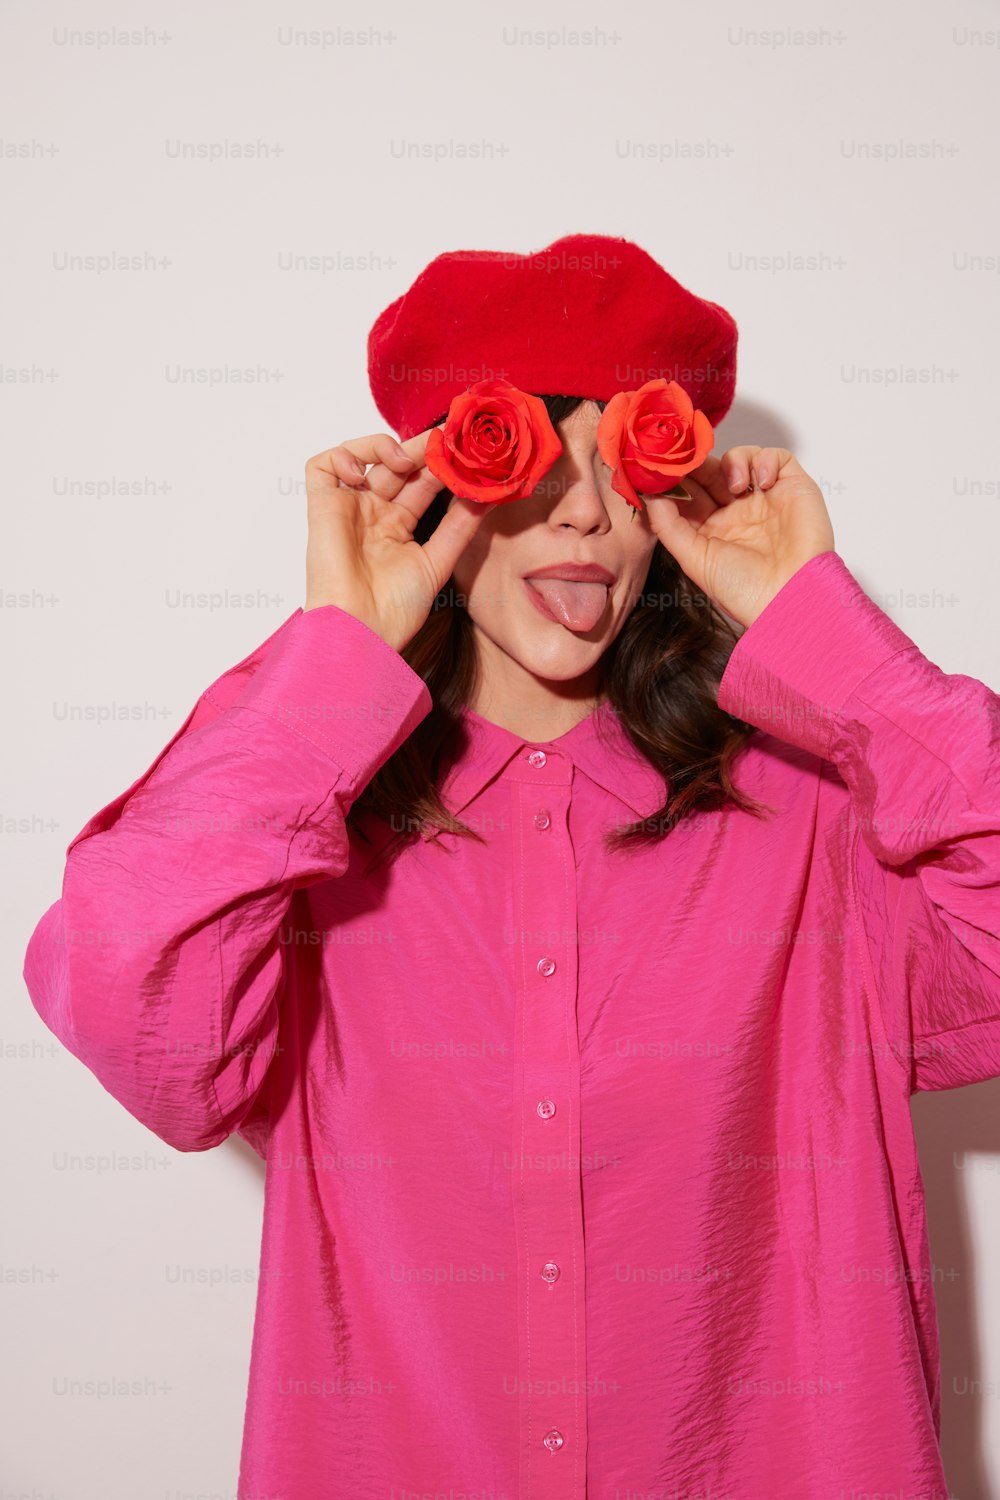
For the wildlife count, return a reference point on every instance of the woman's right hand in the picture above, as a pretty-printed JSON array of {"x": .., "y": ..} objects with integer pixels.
[{"x": 361, "y": 554}]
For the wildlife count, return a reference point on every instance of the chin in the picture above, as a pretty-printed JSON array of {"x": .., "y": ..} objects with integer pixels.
[{"x": 560, "y": 661}]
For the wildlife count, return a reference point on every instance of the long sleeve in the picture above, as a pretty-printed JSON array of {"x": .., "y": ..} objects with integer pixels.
[
  {"x": 161, "y": 966},
  {"x": 824, "y": 668}
]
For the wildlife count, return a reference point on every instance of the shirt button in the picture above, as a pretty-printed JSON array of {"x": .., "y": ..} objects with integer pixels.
[
  {"x": 550, "y": 1272},
  {"x": 546, "y": 966},
  {"x": 546, "y": 1108},
  {"x": 553, "y": 1440},
  {"x": 542, "y": 819},
  {"x": 537, "y": 758}
]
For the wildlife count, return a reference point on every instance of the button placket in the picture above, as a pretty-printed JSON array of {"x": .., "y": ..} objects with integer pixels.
[{"x": 546, "y": 1123}]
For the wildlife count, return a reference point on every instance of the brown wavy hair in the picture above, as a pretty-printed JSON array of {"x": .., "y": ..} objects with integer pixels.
[{"x": 661, "y": 674}]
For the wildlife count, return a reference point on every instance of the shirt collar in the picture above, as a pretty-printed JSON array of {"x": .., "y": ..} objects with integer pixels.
[{"x": 598, "y": 745}]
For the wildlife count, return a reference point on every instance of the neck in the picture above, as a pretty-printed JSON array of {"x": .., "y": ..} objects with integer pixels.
[{"x": 534, "y": 708}]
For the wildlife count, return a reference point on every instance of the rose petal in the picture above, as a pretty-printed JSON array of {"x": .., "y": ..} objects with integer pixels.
[
  {"x": 654, "y": 434},
  {"x": 496, "y": 443}
]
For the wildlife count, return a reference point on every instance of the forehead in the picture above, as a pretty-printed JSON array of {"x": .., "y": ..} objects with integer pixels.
[{"x": 581, "y": 425}]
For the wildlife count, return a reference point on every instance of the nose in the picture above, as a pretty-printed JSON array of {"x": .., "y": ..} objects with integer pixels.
[{"x": 579, "y": 504}]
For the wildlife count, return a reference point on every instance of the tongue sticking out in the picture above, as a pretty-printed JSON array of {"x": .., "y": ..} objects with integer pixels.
[{"x": 578, "y": 605}]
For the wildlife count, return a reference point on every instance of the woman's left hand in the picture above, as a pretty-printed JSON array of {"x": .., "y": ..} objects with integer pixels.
[{"x": 738, "y": 545}]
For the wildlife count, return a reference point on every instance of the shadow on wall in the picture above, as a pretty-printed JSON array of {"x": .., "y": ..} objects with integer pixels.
[{"x": 958, "y": 1138}]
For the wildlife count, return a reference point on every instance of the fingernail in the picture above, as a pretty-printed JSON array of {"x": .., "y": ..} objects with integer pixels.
[
  {"x": 357, "y": 468},
  {"x": 737, "y": 482},
  {"x": 400, "y": 450}
]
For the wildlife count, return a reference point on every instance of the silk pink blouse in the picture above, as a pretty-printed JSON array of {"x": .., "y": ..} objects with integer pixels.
[{"x": 588, "y": 1174}]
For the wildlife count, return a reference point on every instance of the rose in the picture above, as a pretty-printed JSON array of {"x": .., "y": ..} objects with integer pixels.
[
  {"x": 650, "y": 436},
  {"x": 496, "y": 444}
]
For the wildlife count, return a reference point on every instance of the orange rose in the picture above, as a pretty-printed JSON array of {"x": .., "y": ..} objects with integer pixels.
[
  {"x": 495, "y": 445},
  {"x": 650, "y": 437}
]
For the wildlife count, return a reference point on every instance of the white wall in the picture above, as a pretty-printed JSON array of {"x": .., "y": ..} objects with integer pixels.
[{"x": 758, "y": 151}]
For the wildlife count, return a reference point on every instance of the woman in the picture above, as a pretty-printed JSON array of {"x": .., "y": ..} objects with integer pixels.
[{"x": 569, "y": 956}]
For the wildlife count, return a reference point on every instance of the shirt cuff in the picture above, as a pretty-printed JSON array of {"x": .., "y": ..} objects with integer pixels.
[
  {"x": 795, "y": 666},
  {"x": 331, "y": 679}
]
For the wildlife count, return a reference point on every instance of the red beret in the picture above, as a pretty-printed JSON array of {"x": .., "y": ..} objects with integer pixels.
[{"x": 589, "y": 315}]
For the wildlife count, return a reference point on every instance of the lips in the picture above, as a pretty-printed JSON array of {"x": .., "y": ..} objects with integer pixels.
[{"x": 577, "y": 605}]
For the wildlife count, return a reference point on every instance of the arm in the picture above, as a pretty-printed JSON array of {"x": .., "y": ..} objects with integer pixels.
[
  {"x": 160, "y": 967},
  {"x": 824, "y": 668}
]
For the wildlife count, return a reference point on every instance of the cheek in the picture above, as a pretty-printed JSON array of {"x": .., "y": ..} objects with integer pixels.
[
  {"x": 478, "y": 562},
  {"x": 639, "y": 551},
  {"x": 637, "y": 565}
]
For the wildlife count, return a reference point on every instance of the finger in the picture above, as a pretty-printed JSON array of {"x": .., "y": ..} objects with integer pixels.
[
  {"x": 737, "y": 468},
  {"x": 413, "y": 494},
  {"x": 382, "y": 448},
  {"x": 679, "y": 534},
  {"x": 702, "y": 503},
  {"x": 752, "y": 467},
  {"x": 388, "y": 482},
  {"x": 453, "y": 534},
  {"x": 712, "y": 479},
  {"x": 727, "y": 478},
  {"x": 413, "y": 491},
  {"x": 347, "y": 461},
  {"x": 768, "y": 465}
]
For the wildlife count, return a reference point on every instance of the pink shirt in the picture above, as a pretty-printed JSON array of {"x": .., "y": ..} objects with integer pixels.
[{"x": 587, "y": 1175}]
